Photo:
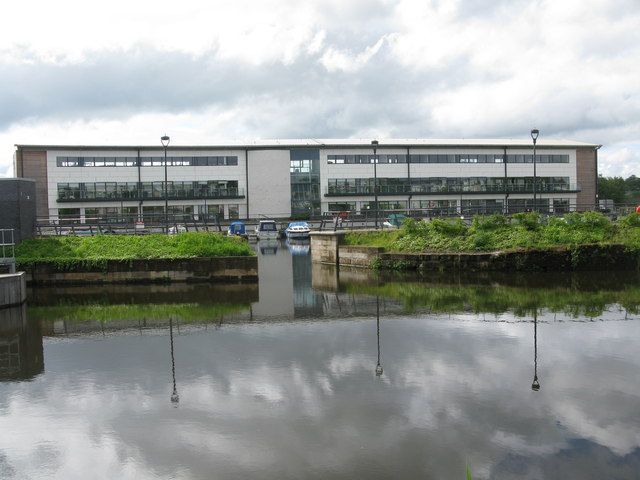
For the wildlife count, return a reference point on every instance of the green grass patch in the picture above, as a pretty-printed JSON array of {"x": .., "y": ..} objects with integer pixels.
[
  {"x": 65, "y": 250},
  {"x": 499, "y": 232}
]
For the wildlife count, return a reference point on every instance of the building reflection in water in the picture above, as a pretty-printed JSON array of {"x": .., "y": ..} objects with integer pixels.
[
  {"x": 175, "y": 398},
  {"x": 535, "y": 386},
  {"x": 307, "y": 302},
  {"x": 21, "y": 354}
]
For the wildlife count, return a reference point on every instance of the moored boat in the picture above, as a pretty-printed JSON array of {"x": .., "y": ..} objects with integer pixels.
[
  {"x": 298, "y": 230},
  {"x": 267, "y": 229},
  {"x": 236, "y": 229}
]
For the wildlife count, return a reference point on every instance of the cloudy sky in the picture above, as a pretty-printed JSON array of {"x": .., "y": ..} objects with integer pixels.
[{"x": 123, "y": 72}]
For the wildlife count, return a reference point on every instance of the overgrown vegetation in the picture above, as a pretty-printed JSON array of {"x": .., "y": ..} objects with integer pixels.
[
  {"x": 498, "y": 232},
  {"x": 100, "y": 248}
]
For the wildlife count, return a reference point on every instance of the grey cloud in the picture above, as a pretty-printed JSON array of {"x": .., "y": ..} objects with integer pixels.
[
  {"x": 382, "y": 94},
  {"x": 302, "y": 98}
]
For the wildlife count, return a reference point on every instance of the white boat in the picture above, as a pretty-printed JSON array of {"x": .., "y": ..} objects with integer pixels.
[
  {"x": 267, "y": 229},
  {"x": 298, "y": 230}
]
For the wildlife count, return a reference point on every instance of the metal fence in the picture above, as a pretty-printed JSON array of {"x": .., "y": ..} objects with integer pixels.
[
  {"x": 8, "y": 245},
  {"x": 180, "y": 222}
]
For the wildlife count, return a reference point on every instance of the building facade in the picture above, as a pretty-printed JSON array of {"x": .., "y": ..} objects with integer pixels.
[{"x": 309, "y": 177}]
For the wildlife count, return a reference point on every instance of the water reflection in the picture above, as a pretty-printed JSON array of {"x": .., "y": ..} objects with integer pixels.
[
  {"x": 298, "y": 247},
  {"x": 268, "y": 247},
  {"x": 535, "y": 385},
  {"x": 175, "y": 398},
  {"x": 21, "y": 356},
  {"x": 378, "y": 364},
  {"x": 283, "y": 386}
]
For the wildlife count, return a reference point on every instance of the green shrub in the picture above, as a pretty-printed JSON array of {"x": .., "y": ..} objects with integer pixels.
[
  {"x": 529, "y": 220},
  {"x": 491, "y": 222},
  {"x": 448, "y": 227},
  {"x": 482, "y": 241},
  {"x": 410, "y": 225},
  {"x": 594, "y": 220},
  {"x": 632, "y": 220}
]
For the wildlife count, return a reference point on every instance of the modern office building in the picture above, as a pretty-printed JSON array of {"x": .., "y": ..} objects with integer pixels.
[{"x": 281, "y": 178}]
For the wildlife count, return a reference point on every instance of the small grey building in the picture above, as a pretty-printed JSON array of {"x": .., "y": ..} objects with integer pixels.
[{"x": 18, "y": 206}]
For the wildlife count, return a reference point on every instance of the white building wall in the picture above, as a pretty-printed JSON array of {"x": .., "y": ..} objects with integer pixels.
[
  {"x": 129, "y": 174},
  {"x": 269, "y": 188},
  {"x": 269, "y": 183}
]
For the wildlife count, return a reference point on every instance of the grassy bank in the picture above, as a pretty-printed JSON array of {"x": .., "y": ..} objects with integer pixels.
[
  {"x": 499, "y": 232},
  {"x": 70, "y": 249}
]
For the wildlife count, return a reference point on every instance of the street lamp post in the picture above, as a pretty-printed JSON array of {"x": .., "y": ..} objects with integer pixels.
[
  {"x": 165, "y": 143},
  {"x": 374, "y": 143},
  {"x": 534, "y": 135}
]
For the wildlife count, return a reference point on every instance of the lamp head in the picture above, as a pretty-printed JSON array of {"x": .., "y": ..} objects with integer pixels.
[
  {"x": 378, "y": 370},
  {"x": 165, "y": 140},
  {"x": 535, "y": 386},
  {"x": 175, "y": 398},
  {"x": 534, "y": 134},
  {"x": 374, "y": 143}
]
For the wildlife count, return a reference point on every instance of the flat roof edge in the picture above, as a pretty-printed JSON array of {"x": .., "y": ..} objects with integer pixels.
[{"x": 418, "y": 143}]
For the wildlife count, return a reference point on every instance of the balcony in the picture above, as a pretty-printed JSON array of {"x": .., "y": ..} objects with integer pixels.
[
  {"x": 365, "y": 190},
  {"x": 78, "y": 195}
]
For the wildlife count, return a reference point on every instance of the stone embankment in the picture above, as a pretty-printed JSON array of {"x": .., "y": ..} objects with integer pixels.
[{"x": 328, "y": 248}]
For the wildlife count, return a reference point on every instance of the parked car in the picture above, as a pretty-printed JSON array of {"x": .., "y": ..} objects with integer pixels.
[
  {"x": 177, "y": 229},
  {"x": 394, "y": 220}
]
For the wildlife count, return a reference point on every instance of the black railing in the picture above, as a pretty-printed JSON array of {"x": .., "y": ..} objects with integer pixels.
[
  {"x": 127, "y": 195},
  {"x": 346, "y": 190}
]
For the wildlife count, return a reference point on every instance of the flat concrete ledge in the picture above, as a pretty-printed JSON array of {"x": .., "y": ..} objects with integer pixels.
[
  {"x": 13, "y": 289},
  {"x": 191, "y": 270},
  {"x": 331, "y": 233},
  {"x": 325, "y": 246}
]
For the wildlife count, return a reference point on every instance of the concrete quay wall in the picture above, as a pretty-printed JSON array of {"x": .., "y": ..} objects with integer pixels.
[
  {"x": 13, "y": 289},
  {"x": 215, "y": 270},
  {"x": 328, "y": 248}
]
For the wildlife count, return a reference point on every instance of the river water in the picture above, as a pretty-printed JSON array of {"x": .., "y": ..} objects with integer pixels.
[{"x": 311, "y": 374}]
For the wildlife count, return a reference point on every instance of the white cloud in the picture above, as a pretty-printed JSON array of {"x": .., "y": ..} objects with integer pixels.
[
  {"x": 341, "y": 60},
  {"x": 620, "y": 161}
]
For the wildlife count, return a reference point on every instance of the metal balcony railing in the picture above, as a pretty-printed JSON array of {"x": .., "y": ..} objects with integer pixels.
[
  {"x": 125, "y": 195},
  {"x": 346, "y": 190}
]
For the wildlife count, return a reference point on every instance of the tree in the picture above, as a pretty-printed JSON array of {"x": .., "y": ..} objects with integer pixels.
[
  {"x": 613, "y": 188},
  {"x": 632, "y": 185}
]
